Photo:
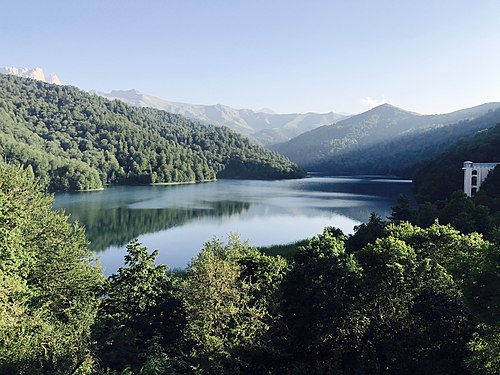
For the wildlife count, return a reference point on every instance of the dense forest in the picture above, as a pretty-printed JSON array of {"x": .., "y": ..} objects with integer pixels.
[
  {"x": 386, "y": 140},
  {"x": 393, "y": 298},
  {"x": 73, "y": 140},
  {"x": 444, "y": 174},
  {"x": 407, "y": 153}
]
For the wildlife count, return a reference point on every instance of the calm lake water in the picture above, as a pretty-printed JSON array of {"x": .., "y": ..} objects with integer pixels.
[{"x": 178, "y": 219}]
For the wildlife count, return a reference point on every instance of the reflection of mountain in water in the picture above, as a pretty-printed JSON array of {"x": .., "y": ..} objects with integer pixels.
[{"x": 117, "y": 226}]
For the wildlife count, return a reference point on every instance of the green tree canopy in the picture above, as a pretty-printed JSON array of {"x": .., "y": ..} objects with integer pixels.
[{"x": 49, "y": 284}]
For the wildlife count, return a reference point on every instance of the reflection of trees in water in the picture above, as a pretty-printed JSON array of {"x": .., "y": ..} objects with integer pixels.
[{"x": 117, "y": 226}]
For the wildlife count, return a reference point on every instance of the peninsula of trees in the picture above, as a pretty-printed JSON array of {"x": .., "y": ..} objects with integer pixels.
[{"x": 73, "y": 140}]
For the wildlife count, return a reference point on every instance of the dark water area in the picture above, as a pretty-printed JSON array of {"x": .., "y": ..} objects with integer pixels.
[{"x": 178, "y": 219}]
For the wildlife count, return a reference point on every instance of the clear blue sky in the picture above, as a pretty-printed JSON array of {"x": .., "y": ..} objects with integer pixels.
[{"x": 428, "y": 56}]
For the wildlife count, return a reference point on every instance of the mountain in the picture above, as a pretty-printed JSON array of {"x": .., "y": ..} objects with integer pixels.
[
  {"x": 443, "y": 175},
  {"x": 36, "y": 73},
  {"x": 74, "y": 140},
  {"x": 384, "y": 140},
  {"x": 264, "y": 126}
]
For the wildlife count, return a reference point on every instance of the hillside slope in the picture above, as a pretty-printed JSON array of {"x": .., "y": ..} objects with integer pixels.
[
  {"x": 262, "y": 126},
  {"x": 403, "y": 155},
  {"x": 74, "y": 140},
  {"x": 444, "y": 174},
  {"x": 372, "y": 141}
]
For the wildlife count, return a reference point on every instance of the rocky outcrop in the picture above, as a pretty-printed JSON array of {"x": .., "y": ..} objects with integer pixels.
[{"x": 36, "y": 73}]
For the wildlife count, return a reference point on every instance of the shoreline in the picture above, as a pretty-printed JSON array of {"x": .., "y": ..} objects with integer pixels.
[
  {"x": 85, "y": 190},
  {"x": 178, "y": 183}
]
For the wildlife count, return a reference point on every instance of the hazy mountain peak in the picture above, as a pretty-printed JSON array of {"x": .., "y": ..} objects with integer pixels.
[
  {"x": 388, "y": 109},
  {"x": 35, "y": 73},
  {"x": 269, "y": 111},
  {"x": 125, "y": 94}
]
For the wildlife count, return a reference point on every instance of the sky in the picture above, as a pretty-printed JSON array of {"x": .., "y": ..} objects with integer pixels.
[{"x": 427, "y": 56}]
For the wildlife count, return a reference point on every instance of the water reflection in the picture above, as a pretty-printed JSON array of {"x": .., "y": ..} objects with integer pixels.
[{"x": 179, "y": 219}]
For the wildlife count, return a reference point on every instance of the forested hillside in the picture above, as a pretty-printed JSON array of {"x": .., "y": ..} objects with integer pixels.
[
  {"x": 444, "y": 174},
  {"x": 385, "y": 140},
  {"x": 264, "y": 127},
  {"x": 73, "y": 140},
  {"x": 404, "y": 155}
]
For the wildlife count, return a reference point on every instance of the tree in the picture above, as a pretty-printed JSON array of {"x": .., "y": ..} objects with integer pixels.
[
  {"x": 463, "y": 214},
  {"x": 482, "y": 298},
  {"x": 418, "y": 323},
  {"x": 389, "y": 307},
  {"x": 322, "y": 319},
  {"x": 228, "y": 300},
  {"x": 365, "y": 233},
  {"x": 141, "y": 316},
  {"x": 402, "y": 211},
  {"x": 49, "y": 283}
]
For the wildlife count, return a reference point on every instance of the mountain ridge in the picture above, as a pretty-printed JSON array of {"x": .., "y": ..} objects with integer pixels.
[
  {"x": 263, "y": 127},
  {"x": 331, "y": 148}
]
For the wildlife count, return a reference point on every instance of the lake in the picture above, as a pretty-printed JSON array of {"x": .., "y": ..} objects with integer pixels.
[{"x": 179, "y": 219}]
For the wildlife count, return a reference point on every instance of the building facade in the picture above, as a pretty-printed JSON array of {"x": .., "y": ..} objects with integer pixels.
[{"x": 474, "y": 175}]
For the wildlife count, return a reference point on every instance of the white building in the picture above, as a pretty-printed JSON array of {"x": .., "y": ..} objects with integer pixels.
[{"x": 474, "y": 175}]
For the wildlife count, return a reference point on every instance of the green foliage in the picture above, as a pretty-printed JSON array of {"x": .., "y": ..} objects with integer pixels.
[
  {"x": 465, "y": 215},
  {"x": 49, "y": 286},
  {"x": 483, "y": 299},
  {"x": 402, "y": 211},
  {"x": 386, "y": 140},
  {"x": 229, "y": 303},
  {"x": 366, "y": 233},
  {"x": 443, "y": 175},
  {"x": 141, "y": 311},
  {"x": 385, "y": 308},
  {"x": 407, "y": 300},
  {"x": 76, "y": 141},
  {"x": 321, "y": 307},
  {"x": 401, "y": 300},
  {"x": 287, "y": 251},
  {"x": 485, "y": 350}
]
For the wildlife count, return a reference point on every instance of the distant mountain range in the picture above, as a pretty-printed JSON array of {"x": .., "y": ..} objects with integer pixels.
[
  {"x": 385, "y": 140},
  {"x": 264, "y": 126},
  {"x": 36, "y": 73}
]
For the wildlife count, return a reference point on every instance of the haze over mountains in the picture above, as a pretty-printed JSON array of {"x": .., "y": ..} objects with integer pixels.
[
  {"x": 264, "y": 126},
  {"x": 385, "y": 140}
]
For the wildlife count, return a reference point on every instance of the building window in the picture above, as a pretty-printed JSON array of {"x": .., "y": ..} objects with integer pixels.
[
  {"x": 474, "y": 172},
  {"x": 474, "y": 180},
  {"x": 473, "y": 191}
]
